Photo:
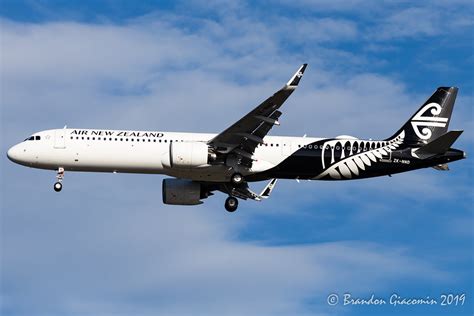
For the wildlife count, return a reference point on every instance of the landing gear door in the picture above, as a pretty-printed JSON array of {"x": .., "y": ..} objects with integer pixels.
[{"x": 60, "y": 138}]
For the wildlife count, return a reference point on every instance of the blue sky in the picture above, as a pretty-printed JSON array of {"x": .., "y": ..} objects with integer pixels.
[{"x": 107, "y": 246}]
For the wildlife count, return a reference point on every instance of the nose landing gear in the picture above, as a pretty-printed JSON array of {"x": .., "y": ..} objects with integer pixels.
[
  {"x": 58, "y": 186},
  {"x": 60, "y": 176}
]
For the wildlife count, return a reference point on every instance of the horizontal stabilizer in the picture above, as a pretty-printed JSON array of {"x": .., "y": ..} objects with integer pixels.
[
  {"x": 442, "y": 167},
  {"x": 438, "y": 146}
]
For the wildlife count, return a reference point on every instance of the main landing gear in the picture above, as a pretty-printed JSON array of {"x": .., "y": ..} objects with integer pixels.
[
  {"x": 58, "y": 186},
  {"x": 231, "y": 204},
  {"x": 237, "y": 178}
]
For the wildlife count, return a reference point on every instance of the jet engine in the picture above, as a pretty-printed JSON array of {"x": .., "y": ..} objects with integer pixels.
[
  {"x": 183, "y": 192},
  {"x": 187, "y": 155}
]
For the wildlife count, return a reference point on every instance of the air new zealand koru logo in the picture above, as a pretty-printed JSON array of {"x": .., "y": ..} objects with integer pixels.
[{"x": 419, "y": 121}]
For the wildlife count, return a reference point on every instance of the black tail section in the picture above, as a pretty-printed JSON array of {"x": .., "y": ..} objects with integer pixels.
[{"x": 432, "y": 119}]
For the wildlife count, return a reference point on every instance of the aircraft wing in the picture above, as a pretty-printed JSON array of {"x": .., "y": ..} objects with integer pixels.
[{"x": 244, "y": 136}]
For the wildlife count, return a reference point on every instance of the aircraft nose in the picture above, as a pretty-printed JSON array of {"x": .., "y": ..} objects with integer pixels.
[{"x": 14, "y": 153}]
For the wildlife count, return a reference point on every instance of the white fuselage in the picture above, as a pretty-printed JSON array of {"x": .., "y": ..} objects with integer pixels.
[{"x": 137, "y": 152}]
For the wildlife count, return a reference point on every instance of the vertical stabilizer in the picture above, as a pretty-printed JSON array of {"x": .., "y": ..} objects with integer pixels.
[{"x": 432, "y": 119}]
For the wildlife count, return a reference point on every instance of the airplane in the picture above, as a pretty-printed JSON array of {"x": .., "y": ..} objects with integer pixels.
[{"x": 201, "y": 164}]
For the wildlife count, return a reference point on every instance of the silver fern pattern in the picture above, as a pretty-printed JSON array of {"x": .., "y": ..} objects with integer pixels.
[{"x": 361, "y": 154}]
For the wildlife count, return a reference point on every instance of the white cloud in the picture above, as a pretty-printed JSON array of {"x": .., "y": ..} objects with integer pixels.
[
  {"x": 410, "y": 23},
  {"x": 176, "y": 261},
  {"x": 332, "y": 5},
  {"x": 391, "y": 20},
  {"x": 140, "y": 69},
  {"x": 425, "y": 20}
]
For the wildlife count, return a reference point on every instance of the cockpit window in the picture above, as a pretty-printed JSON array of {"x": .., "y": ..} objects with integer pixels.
[{"x": 33, "y": 138}]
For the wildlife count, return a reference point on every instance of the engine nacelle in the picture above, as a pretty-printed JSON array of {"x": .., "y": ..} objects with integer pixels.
[
  {"x": 187, "y": 155},
  {"x": 182, "y": 192}
]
